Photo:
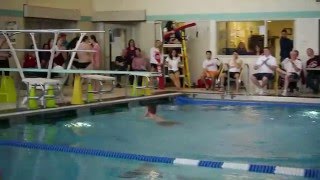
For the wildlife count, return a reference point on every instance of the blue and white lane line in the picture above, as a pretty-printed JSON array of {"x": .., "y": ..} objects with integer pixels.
[{"x": 266, "y": 169}]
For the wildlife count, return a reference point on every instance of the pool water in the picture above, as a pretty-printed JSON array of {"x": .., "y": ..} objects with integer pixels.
[
  {"x": 43, "y": 165},
  {"x": 282, "y": 136}
]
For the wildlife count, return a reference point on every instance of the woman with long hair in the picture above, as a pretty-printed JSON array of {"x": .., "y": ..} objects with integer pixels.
[
  {"x": 97, "y": 54},
  {"x": 131, "y": 52},
  {"x": 172, "y": 62},
  {"x": 175, "y": 37},
  {"x": 60, "y": 57}
]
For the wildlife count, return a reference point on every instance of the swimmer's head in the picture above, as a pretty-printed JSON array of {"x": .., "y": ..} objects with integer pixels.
[{"x": 152, "y": 109}]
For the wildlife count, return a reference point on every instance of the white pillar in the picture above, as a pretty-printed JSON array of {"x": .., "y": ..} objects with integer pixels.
[{"x": 306, "y": 35}]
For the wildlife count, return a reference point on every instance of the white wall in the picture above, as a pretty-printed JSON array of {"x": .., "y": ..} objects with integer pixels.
[
  {"x": 166, "y": 7},
  {"x": 145, "y": 36},
  {"x": 197, "y": 46},
  {"x": 306, "y": 36}
]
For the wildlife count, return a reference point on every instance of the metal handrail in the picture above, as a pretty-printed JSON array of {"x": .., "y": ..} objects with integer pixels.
[
  {"x": 248, "y": 79},
  {"x": 247, "y": 86},
  {"x": 47, "y": 50}
]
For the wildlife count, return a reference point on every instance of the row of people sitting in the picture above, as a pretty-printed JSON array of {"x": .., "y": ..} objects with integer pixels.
[
  {"x": 265, "y": 67},
  {"x": 140, "y": 63}
]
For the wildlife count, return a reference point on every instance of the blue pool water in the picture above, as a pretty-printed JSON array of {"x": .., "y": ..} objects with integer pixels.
[{"x": 286, "y": 136}]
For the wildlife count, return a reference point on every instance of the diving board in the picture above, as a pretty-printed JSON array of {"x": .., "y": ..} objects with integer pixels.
[{"x": 43, "y": 83}]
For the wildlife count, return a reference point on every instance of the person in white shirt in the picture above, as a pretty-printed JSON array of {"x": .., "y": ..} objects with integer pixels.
[
  {"x": 235, "y": 65},
  {"x": 210, "y": 69},
  {"x": 172, "y": 62},
  {"x": 265, "y": 67},
  {"x": 292, "y": 69},
  {"x": 157, "y": 49}
]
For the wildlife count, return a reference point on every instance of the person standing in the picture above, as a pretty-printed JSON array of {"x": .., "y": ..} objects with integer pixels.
[
  {"x": 96, "y": 61},
  {"x": 121, "y": 64},
  {"x": 286, "y": 45},
  {"x": 59, "y": 57},
  {"x": 63, "y": 37},
  {"x": 157, "y": 49},
  {"x": 97, "y": 54},
  {"x": 85, "y": 58},
  {"x": 155, "y": 55},
  {"x": 131, "y": 52}
]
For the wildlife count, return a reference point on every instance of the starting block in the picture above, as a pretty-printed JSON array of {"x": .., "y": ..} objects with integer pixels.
[
  {"x": 101, "y": 90},
  {"x": 8, "y": 92},
  {"x": 144, "y": 89}
]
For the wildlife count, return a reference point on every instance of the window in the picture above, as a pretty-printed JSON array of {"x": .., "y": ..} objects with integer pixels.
[
  {"x": 244, "y": 37},
  {"x": 248, "y": 37}
]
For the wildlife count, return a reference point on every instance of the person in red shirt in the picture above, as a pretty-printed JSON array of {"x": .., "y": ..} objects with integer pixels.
[{"x": 30, "y": 60}]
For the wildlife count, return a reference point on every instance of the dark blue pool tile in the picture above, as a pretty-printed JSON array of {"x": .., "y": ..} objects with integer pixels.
[
  {"x": 312, "y": 173},
  {"x": 262, "y": 168},
  {"x": 211, "y": 164}
]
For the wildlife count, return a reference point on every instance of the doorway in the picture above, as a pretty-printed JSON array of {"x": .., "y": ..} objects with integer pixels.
[
  {"x": 274, "y": 34},
  {"x": 40, "y": 23},
  {"x": 119, "y": 35}
]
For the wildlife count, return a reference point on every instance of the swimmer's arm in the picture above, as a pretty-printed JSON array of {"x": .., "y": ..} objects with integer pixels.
[{"x": 158, "y": 118}]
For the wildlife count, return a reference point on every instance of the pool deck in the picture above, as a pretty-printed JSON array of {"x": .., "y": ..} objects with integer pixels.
[{"x": 118, "y": 96}]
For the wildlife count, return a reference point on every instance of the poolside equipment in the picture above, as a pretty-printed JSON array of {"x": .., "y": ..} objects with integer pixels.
[
  {"x": 183, "y": 49},
  {"x": 147, "y": 89},
  {"x": 77, "y": 91},
  {"x": 143, "y": 90},
  {"x": 244, "y": 85},
  {"x": 181, "y": 28},
  {"x": 44, "y": 83},
  {"x": 101, "y": 79},
  {"x": 50, "y": 97},
  {"x": 33, "y": 99},
  {"x": 90, "y": 92},
  {"x": 8, "y": 92}
]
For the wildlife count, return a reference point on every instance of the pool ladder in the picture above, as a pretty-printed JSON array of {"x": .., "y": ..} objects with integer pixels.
[{"x": 246, "y": 84}]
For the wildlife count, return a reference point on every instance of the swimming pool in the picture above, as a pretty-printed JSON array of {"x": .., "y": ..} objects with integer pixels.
[{"x": 249, "y": 134}]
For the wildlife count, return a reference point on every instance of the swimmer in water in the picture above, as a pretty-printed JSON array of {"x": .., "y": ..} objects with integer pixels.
[
  {"x": 151, "y": 113},
  {"x": 145, "y": 170}
]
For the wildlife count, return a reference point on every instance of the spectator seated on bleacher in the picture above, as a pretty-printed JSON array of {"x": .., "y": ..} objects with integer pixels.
[
  {"x": 265, "y": 67},
  {"x": 210, "y": 70},
  {"x": 291, "y": 72},
  {"x": 313, "y": 77},
  {"x": 234, "y": 68}
]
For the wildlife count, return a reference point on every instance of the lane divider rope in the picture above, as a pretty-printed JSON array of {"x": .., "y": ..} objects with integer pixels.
[
  {"x": 267, "y": 169},
  {"x": 182, "y": 100}
]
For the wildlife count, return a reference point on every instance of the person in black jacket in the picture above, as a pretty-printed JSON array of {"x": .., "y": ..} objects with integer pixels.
[{"x": 286, "y": 45}]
